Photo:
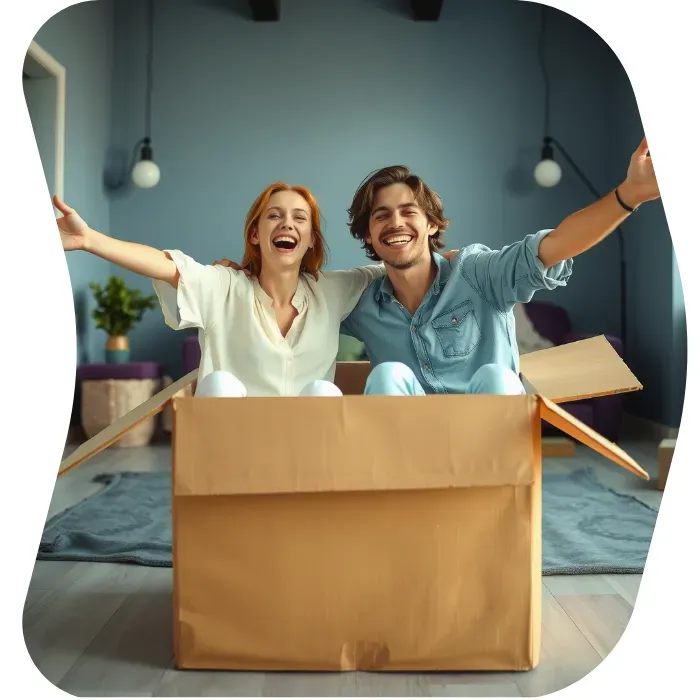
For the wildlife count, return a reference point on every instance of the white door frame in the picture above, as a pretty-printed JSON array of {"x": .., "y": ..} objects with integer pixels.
[{"x": 56, "y": 70}]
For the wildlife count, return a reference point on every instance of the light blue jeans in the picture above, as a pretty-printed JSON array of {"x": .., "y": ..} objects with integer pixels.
[{"x": 397, "y": 379}]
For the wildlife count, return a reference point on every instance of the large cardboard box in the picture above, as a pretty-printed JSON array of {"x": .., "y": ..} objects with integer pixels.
[{"x": 374, "y": 533}]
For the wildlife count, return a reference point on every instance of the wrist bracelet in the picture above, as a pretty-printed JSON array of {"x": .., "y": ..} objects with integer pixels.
[{"x": 622, "y": 204}]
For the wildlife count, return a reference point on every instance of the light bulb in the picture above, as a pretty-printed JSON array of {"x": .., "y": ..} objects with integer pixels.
[
  {"x": 145, "y": 174},
  {"x": 547, "y": 173}
]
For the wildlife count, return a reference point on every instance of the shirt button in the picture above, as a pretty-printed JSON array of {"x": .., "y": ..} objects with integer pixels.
[
  {"x": 413, "y": 328},
  {"x": 425, "y": 366},
  {"x": 454, "y": 320}
]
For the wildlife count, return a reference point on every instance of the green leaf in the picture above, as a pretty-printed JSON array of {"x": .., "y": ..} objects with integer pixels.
[{"x": 118, "y": 308}]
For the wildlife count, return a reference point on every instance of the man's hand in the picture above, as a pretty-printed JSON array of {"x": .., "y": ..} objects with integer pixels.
[
  {"x": 225, "y": 262},
  {"x": 585, "y": 228},
  {"x": 640, "y": 185}
]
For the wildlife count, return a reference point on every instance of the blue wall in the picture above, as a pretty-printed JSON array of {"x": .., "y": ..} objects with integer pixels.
[
  {"x": 238, "y": 104},
  {"x": 80, "y": 37}
]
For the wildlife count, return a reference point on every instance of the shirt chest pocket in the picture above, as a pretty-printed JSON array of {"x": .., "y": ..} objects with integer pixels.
[{"x": 457, "y": 330}]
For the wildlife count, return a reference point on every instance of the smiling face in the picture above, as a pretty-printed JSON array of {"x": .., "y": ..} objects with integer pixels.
[
  {"x": 398, "y": 218},
  {"x": 284, "y": 231},
  {"x": 399, "y": 230}
]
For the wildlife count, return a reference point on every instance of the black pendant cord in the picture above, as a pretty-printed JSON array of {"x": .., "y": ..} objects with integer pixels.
[
  {"x": 548, "y": 140},
  {"x": 149, "y": 71},
  {"x": 543, "y": 68}
]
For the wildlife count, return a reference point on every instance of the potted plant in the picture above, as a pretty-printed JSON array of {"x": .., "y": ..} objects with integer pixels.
[{"x": 117, "y": 311}]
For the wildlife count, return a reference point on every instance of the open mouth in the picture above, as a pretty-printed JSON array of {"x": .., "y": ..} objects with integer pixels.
[
  {"x": 397, "y": 240},
  {"x": 284, "y": 243}
]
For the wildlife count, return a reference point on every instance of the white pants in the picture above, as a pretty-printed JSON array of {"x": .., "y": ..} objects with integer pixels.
[{"x": 225, "y": 384}]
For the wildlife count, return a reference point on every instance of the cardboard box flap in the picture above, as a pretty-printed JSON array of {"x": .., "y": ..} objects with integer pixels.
[
  {"x": 351, "y": 443},
  {"x": 113, "y": 432},
  {"x": 563, "y": 420},
  {"x": 575, "y": 371}
]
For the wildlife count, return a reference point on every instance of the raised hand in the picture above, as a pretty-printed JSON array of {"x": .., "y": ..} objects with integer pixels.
[
  {"x": 72, "y": 228},
  {"x": 640, "y": 185}
]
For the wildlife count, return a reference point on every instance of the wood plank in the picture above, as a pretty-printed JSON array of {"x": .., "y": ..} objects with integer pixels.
[
  {"x": 318, "y": 685},
  {"x": 34, "y": 597},
  {"x": 55, "y": 575},
  {"x": 195, "y": 684},
  {"x": 567, "y": 656},
  {"x": 392, "y": 685},
  {"x": 601, "y": 618},
  {"x": 578, "y": 585},
  {"x": 626, "y": 585},
  {"x": 59, "y": 627},
  {"x": 473, "y": 685},
  {"x": 131, "y": 652}
]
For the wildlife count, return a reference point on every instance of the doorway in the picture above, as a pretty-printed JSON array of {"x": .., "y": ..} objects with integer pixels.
[{"x": 44, "y": 83}]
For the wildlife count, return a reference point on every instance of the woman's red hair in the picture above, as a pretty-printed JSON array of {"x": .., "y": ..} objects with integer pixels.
[{"x": 314, "y": 258}]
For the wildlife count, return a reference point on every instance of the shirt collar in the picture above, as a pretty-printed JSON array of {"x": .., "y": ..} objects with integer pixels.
[
  {"x": 298, "y": 299},
  {"x": 385, "y": 290}
]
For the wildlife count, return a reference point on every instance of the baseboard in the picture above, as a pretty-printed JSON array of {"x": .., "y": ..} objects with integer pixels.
[{"x": 637, "y": 427}]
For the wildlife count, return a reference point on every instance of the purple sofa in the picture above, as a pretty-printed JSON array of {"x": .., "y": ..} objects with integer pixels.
[
  {"x": 191, "y": 353},
  {"x": 604, "y": 413}
]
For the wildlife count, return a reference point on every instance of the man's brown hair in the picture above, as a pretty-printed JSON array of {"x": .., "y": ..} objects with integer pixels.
[{"x": 363, "y": 201}]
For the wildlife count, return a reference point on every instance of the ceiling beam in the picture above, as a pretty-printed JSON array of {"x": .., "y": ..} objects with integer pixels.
[
  {"x": 426, "y": 10},
  {"x": 265, "y": 10}
]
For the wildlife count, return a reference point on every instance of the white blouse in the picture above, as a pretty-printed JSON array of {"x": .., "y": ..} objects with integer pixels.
[{"x": 238, "y": 330}]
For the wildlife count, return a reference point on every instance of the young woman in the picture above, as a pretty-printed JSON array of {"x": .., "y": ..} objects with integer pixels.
[{"x": 270, "y": 329}]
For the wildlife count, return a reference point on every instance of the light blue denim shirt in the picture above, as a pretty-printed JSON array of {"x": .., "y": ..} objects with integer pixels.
[{"x": 465, "y": 319}]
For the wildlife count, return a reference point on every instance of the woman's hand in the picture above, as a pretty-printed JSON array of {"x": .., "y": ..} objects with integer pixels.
[{"x": 73, "y": 230}]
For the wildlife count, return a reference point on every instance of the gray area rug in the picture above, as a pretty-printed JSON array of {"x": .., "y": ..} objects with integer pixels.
[{"x": 587, "y": 528}]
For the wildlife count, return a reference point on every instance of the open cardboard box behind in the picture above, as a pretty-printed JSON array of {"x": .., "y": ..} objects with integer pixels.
[{"x": 383, "y": 533}]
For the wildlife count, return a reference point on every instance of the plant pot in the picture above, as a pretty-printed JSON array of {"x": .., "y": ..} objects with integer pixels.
[{"x": 117, "y": 349}]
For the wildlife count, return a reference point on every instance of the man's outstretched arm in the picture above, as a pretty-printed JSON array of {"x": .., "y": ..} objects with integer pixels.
[{"x": 585, "y": 228}]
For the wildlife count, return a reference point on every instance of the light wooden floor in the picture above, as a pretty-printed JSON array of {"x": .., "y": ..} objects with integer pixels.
[{"x": 105, "y": 629}]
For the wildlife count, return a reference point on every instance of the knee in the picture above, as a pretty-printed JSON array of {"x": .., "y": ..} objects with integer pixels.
[
  {"x": 220, "y": 383},
  {"x": 497, "y": 379},
  {"x": 390, "y": 378},
  {"x": 320, "y": 387}
]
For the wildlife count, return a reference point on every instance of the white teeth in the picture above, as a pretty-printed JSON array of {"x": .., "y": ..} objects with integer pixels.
[
  {"x": 283, "y": 238},
  {"x": 397, "y": 241}
]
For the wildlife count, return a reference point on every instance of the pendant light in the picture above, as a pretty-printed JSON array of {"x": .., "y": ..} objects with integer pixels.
[{"x": 146, "y": 173}]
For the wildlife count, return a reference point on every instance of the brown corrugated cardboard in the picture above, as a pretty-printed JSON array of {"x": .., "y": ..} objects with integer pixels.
[
  {"x": 558, "y": 447},
  {"x": 367, "y": 532},
  {"x": 113, "y": 432},
  {"x": 368, "y": 548},
  {"x": 665, "y": 456},
  {"x": 580, "y": 370},
  {"x": 336, "y": 548}
]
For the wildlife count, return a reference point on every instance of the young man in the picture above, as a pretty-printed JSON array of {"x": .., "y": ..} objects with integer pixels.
[{"x": 433, "y": 325}]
